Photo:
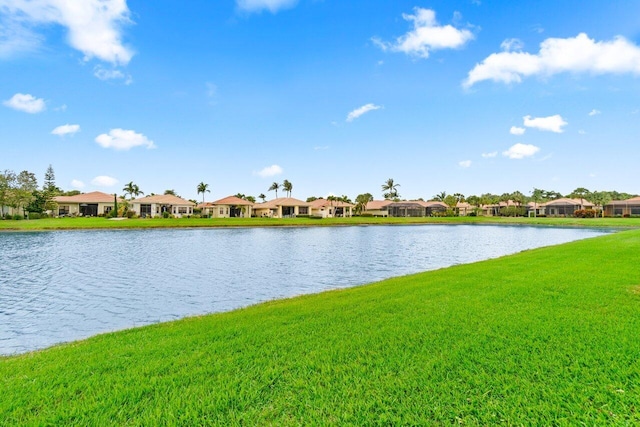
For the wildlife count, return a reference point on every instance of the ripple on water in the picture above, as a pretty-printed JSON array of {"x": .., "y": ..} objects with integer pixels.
[{"x": 61, "y": 286}]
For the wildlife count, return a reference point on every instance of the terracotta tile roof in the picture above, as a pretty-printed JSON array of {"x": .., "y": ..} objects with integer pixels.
[
  {"x": 324, "y": 203},
  {"x": 163, "y": 199},
  {"x": 375, "y": 205},
  {"x": 232, "y": 201},
  {"x": 281, "y": 201},
  {"x": 93, "y": 197},
  {"x": 434, "y": 204},
  {"x": 632, "y": 201},
  {"x": 566, "y": 201}
]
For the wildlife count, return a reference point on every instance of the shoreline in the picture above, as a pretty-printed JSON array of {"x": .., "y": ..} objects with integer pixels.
[{"x": 70, "y": 224}]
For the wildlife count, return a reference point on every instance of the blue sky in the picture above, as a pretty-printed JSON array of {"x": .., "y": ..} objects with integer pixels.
[{"x": 467, "y": 96}]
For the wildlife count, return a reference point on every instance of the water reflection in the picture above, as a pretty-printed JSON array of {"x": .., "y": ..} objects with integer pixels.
[{"x": 61, "y": 286}]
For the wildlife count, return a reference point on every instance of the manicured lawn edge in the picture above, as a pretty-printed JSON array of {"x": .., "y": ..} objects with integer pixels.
[
  {"x": 547, "y": 336},
  {"x": 103, "y": 223}
]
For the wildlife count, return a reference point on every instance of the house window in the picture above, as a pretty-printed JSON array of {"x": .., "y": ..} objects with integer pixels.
[
  {"x": 635, "y": 211},
  {"x": 617, "y": 211},
  {"x": 182, "y": 210},
  {"x": 145, "y": 210},
  {"x": 63, "y": 210},
  {"x": 221, "y": 211},
  {"x": 303, "y": 210},
  {"x": 108, "y": 209}
]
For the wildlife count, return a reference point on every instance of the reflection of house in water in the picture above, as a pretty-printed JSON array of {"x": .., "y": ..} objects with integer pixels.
[{"x": 88, "y": 204}]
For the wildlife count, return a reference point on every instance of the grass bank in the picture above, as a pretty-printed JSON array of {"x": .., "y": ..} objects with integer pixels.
[
  {"x": 103, "y": 223},
  {"x": 545, "y": 337}
]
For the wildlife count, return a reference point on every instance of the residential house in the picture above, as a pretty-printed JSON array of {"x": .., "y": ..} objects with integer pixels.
[
  {"x": 282, "y": 207},
  {"x": 228, "y": 207},
  {"x": 565, "y": 206},
  {"x": 86, "y": 204},
  {"x": 377, "y": 208},
  {"x": 464, "y": 208},
  {"x": 623, "y": 207},
  {"x": 331, "y": 208},
  {"x": 405, "y": 208},
  {"x": 153, "y": 206}
]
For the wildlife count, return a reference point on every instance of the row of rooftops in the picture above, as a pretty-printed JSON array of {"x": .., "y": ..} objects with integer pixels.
[{"x": 167, "y": 199}]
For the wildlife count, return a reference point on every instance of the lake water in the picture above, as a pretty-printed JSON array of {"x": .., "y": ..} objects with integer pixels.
[{"x": 63, "y": 286}]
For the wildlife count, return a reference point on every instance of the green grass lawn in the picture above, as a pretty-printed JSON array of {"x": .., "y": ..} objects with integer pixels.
[
  {"x": 545, "y": 337},
  {"x": 99, "y": 223}
]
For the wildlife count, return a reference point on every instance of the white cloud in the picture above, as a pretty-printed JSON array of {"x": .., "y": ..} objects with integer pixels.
[
  {"x": 426, "y": 35},
  {"x": 321, "y": 147},
  {"x": 551, "y": 123},
  {"x": 271, "y": 5},
  {"x": 465, "y": 163},
  {"x": 104, "y": 181},
  {"x": 25, "y": 102},
  {"x": 490, "y": 155},
  {"x": 77, "y": 184},
  {"x": 594, "y": 112},
  {"x": 362, "y": 110},
  {"x": 113, "y": 74},
  {"x": 121, "y": 139},
  {"x": 272, "y": 170},
  {"x": 582, "y": 132},
  {"x": 515, "y": 130},
  {"x": 511, "y": 45},
  {"x": 579, "y": 54},
  {"x": 520, "y": 151},
  {"x": 15, "y": 38},
  {"x": 66, "y": 130},
  {"x": 94, "y": 26}
]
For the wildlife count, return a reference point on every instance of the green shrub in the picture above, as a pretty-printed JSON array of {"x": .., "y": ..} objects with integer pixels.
[
  {"x": 17, "y": 217},
  {"x": 585, "y": 213},
  {"x": 34, "y": 215}
]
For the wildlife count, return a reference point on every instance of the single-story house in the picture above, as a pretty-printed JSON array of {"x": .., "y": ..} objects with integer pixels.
[
  {"x": 228, "y": 207},
  {"x": 282, "y": 207},
  {"x": 464, "y": 208},
  {"x": 623, "y": 207},
  {"x": 377, "y": 208},
  {"x": 86, "y": 204},
  {"x": 406, "y": 208},
  {"x": 565, "y": 206},
  {"x": 152, "y": 206},
  {"x": 331, "y": 208},
  {"x": 7, "y": 211}
]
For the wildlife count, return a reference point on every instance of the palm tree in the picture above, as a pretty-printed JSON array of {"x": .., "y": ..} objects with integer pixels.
[
  {"x": 203, "y": 188},
  {"x": 132, "y": 190},
  {"x": 440, "y": 196},
  {"x": 361, "y": 202},
  {"x": 287, "y": 186},
  {"x": 263, "y": 197},
  {"x": 390, "y": 189},
  {"x": 170, "y": 192},
  {"x": 275, "y": 186},
  {"x": 536, "y": 196}
]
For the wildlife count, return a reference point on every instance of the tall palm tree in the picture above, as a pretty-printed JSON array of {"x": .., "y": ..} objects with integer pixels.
[
  {"x": 263, "y": 197},
  {"x": 132, "y": 190},
  {"x": 390, "y": 189},
  {"x": 203, "y": 188},
  {"x": 440, "y": 196},
  {"x": 288, "y": 187},
  {"x": 275, "y": 186}
]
